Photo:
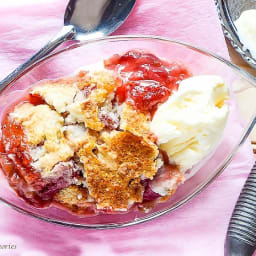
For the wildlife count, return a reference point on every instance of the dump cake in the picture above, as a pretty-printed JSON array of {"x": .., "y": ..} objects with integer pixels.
[{"x": 114, "y": 139}]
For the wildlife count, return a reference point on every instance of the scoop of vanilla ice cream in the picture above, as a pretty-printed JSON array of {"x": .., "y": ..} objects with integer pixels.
[
  {"x": 246, "y": 29},
  {"x": 191, "y": 121}
]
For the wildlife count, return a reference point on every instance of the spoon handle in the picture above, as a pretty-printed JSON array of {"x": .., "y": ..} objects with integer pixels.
[
  {"x": 67, "y": 32},
  {"x": 241, "y": 235}
]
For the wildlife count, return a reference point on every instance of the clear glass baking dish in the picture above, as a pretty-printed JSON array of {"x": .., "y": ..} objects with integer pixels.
[{"x": 66, "y": 61}]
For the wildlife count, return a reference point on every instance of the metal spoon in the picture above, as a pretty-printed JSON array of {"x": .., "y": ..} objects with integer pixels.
[{"x": 83, "y": 20}]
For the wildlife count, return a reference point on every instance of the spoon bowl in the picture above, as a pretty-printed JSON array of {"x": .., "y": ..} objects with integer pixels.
[{"x": 98, "y": 18}]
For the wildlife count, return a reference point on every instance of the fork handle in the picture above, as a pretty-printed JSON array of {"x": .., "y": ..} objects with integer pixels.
[{"x": 241, "y": 234}]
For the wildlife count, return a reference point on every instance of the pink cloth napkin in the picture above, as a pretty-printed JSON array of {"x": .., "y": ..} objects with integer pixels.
[{"x": 199, "y": 227}]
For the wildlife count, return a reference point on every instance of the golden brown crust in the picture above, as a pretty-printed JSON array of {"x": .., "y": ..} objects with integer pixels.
[
  {"x": 135, "y": 122},
  {"x": 91, "y": 118},
  {"x": 72, "y": 195},
  {"x": 114, "y": 168},
  {"x": 74, "y": 198}
]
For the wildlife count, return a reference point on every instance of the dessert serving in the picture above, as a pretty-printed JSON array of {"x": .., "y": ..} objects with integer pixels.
[{"x": 117, "y": 136}]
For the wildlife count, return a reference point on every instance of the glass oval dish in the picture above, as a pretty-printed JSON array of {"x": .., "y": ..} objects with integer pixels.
[
  {"x": 70, "y": 59},
  {"x": 229, "y": 11}
]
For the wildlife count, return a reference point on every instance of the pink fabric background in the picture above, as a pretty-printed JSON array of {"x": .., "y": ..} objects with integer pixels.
[{"x": 199, "y": 227}]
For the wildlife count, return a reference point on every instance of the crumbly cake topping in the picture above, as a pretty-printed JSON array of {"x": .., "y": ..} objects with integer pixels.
[
  {"x": 81, "y": 96},
  {"x": 81, "y": 120},
  {"x": 135, "y": 122},
  {"x": 76, "y": 135},
  {"x": 114, "y": 161},
  {"x": 40, "y": 123},
  {"x": 58, "y": 95},
  {"x": 72, "y": 195},
  {"x": 114, "y": 165},
  {"x": 43, "y": 125},
  {"x": 86, "y": 110},
  {"x": 75, "y": 198}
]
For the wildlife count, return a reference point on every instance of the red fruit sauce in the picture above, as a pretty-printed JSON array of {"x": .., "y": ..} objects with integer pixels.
[{"x": 146, "y": 79}]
